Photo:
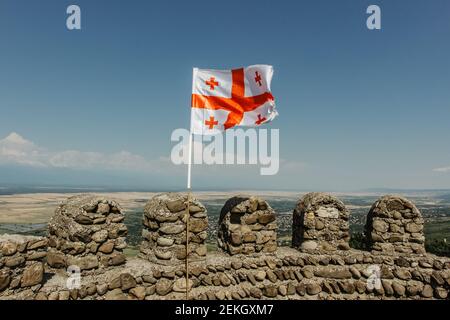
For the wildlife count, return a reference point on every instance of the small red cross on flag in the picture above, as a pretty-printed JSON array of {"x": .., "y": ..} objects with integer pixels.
[
  {"x": 260, "y": 120},
  {"x": 212, "y": 83},
  {"x": 211, "y": 123},
  {"x": 258, "y": 78},
  {"x": 223, "y": 99}
]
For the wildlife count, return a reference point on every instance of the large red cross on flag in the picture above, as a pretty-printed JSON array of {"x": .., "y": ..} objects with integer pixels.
[{"x": 222, "y": 99}]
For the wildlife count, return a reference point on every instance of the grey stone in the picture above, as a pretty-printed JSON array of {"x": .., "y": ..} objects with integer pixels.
[
  {"x": 102, "y": 288},
  {"x": 163, "y": 287},
  {"x": 260, "y": 275},
  {"x": 13, "y": 262},
  {"x": 54, "y": 295},
  {"x": 32, "y": 275},
  {"x": 399, "y": 289},
  {"x": 413, "y": 227},
  {"x": 107, "y": 247},
  {"x": 165, "y": 242},
  {"x": 56, "y": 259},
  {"x": 333, "y": 273},
  {"x": 64, "y": 295},
  {"x": 380, "y": 226},
  {"x": 37, "y": 244},
  {"x": 180, "y": 285},
  {"x": 309, "y": 245},
  {"x": 163, "y": 255},
  {"x": 5, "y": 279},
  {"x": 282, "y": 289},
  {"x": 83, "y": 219},
  {"x": 402, "y": 274},
  {"x": 103, "y": 208},
  {"x": 9, "y": 248},
  {"x": 116, "y": 259},
  {"x": 115, "y": 294},
  {"x": 270, "y": 291},
  {"x": 313, "y": 288},
  {"x": 327, "y": 212},
  {"x": 172, "y": 228},
  {"x": 440, "y": 293},
  {"x": 138, "y": 292},
  {"x": 84, "y": 263},
  {"x": 127, "y": 281},
  {"x": 100, "y": 236},
  {"x": 176, "y": 205}
]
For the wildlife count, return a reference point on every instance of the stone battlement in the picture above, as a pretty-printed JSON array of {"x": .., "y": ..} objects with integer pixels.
[{"x": 88, "y": 232}]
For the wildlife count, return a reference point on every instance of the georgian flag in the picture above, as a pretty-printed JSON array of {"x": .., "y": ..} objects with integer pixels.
[{"x": 222, "y": 99}]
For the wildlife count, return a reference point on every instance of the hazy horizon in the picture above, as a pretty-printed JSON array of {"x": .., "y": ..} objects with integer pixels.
[{"x": 68, "y": 188}]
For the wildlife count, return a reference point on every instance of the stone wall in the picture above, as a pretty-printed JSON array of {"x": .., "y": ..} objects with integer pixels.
[
  {"x": 394, "y": 224},
  {"x": 87, "y": 231},
  {"x": 164, "y": 233},
  {"x": 21, "y": 262},
  {"x": 286, "y": 273},
  {"x": 247, "y": 225},
  {"x": 320, "y": 223}
]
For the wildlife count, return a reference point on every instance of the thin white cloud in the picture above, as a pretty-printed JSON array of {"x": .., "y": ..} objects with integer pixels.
[
  {"x": 443, "y": 169},
  {"x": 14, "y": 149}
]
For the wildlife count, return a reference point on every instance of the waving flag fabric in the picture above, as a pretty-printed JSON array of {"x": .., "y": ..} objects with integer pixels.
[{"x": 223, "y": 99}]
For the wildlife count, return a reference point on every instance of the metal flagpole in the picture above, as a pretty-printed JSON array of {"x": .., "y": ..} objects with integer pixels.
[
  {"x": 189, "y": 161},
  {"x": 188, "y": 215}
]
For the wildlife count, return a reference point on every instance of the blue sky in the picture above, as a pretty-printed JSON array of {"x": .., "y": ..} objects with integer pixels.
[{"x": 358, "y": 108}]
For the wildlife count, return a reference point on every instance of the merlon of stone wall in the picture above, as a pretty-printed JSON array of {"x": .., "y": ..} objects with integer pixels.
[
  {"x": 164, "y": 233},
  {"x": 21, "y": 261},
  {"x": 87, "y": 231},
  {"x": 247, "y": 225},
  {"x": 394, "y": 224},
  {"x": 320, "y": 223}
]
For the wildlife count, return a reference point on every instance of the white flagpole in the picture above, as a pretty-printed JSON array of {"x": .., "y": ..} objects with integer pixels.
[
  {"x": 190, "y": 138},
  {"x": 188, "y": 214},
  {"x": 189, "y": 162}
]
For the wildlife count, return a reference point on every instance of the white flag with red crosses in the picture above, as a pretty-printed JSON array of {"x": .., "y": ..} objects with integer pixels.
[{"x": 222, "y": 99}]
